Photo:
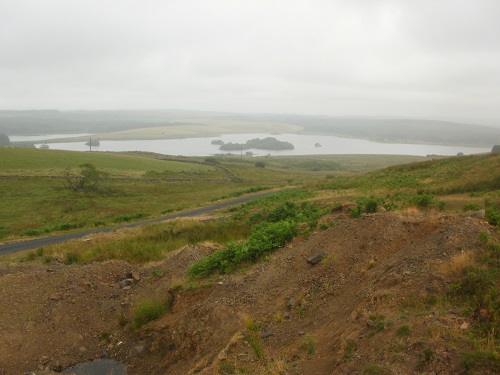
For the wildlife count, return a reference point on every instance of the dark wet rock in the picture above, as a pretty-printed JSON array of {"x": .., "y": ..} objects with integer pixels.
[{"x": 315, "y": 259}]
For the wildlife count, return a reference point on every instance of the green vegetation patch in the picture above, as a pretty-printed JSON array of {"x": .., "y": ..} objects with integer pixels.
[
  {"x": 264, "y": 238},
  {"x": 147, "y": 310}
]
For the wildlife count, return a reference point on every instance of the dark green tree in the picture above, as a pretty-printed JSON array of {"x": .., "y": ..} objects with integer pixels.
[
  {"x": 495, "y": 149},
  {"x": 4, "y": 140},
  {"x": 88, "y": 179}
]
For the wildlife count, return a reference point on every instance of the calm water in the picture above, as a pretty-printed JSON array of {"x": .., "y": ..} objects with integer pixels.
[{"x": 304, "y": 145}]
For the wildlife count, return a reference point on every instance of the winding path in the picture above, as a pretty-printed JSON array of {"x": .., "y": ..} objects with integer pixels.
[{"x": 13, "y": 247}]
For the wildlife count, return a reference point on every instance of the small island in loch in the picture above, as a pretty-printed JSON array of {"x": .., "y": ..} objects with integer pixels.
[{"x": 268, "y": 143}]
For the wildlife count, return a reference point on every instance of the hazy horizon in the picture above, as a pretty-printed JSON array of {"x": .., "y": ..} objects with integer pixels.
[{"x": 387, "y": 58}]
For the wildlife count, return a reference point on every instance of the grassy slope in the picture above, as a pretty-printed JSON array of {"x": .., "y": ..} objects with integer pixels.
[
  {"x": 37, "y": 204},
  {"x": 36, "y": 161},
  {"x": 449, "y": 175}
]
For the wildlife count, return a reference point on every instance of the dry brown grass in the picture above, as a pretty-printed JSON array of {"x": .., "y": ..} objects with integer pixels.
[{"x": 458, "y": 263}]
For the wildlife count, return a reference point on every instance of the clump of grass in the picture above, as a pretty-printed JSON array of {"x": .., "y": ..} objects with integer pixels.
[
  {"x": 471, "y": 207},
  {"x": 147, "y": 310},
  {"x": 481, "y": 361},
  {"x": 33, "y": 232},
  {"x": 309, "y": 344},
  {"x": 254, "y": 328},
  {"x": 130, "y": 217},
  {"x": 458, "y": 263},
  {"x": 350, "y": 348},
  {"x": 404, "y": 330},
  {"x": 422, "y": 200},
  {"x": 374, "y": 370},
  {"x": 72, "y": 257},
  {"x": 252, "y": 325}
]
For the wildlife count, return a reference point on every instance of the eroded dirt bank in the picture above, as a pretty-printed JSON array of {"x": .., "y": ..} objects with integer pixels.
[{"x": 281, "y": 316}]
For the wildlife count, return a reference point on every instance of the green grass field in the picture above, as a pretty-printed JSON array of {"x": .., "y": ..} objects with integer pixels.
[{"x": 34, "y": 206}]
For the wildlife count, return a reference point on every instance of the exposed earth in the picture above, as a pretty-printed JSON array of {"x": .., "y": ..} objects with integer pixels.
[{"x": 281, "y": 316}]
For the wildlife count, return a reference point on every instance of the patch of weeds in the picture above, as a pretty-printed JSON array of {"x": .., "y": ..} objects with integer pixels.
[
  {"x": 154, "y": 274},
  {"x": 33, "y": 232},
  {"x": 404, "y": 331},
  {"x": 476, "y": 283},
  {"x": 100, "y": 223},
  {"x": 441, "y": 205},
  {"x": 301, "y": 311},
  {"x": 309, "y": 345},
  {"x": 254, "y": 329},
  {"x": 427, "y": 355},
  {"x": 371, "y": 264},
  {"x": 471, "y": 207},
  {"x": 146, "y": 311},
  {"x": 72, "y": 257},
  {"x": 350, "y": 348},
  {"x": 327, "y": 224},
  {"x": 122, "y": 320},
  {"x": 126, "y": 218},
  {"x": 104, "y": 336},
  {"x": 378, "y": 323},
  {"x": 227, "y": 368},
  {"x": 397, "y": 347},
  {"x": 263, "y": 239},
  {"x": 374, "y": 370},
  {"x": 422, "y": 200},
  {"x": 177, "y": 288},
  {"x": 492, "y": 213},
  {"x": 30, "y": 256},
  {"x": 481, "y": 361},
  {"x": 379, "y": 326},
  {"x": 278, "y": 318},
  {"x": 431, "y": 301},
  {"x": 257, "y": 347},
  {"x": 484, "y": 237},
  {"x": 252, "y": 325}
]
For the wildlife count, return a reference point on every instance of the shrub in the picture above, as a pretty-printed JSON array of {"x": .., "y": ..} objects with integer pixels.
[
  {"x": 476, "y": 283},
  {"x": 260, "y": 164},
  {"x": 422, "y": 200},
  {"x": 89, "y": 179},
  {"x": 493, "y": 214},
  {"x": 147, "y": 311},
  {"x": 211, "y": 159},
  {"x": 264, "y": 238}
]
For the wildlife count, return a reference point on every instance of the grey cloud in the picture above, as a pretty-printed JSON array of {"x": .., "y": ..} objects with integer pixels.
[{"x": 322, "y": 57}]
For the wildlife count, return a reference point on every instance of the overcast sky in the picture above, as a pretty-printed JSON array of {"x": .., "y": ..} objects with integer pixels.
[{"x": 432, "y": 58}]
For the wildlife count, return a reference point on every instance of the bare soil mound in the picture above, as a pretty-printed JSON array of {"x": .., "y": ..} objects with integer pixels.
[{"x": 343, "y": 315}]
